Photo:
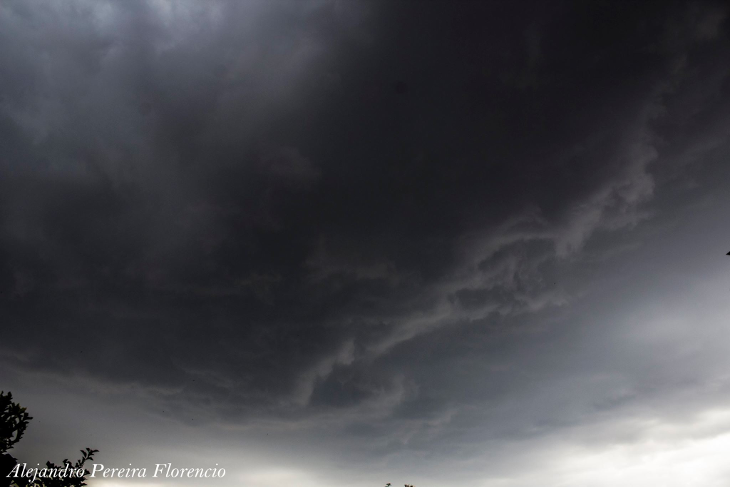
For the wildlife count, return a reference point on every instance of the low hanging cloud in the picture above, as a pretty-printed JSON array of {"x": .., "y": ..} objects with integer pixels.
[{"x": 382, "y": 228}]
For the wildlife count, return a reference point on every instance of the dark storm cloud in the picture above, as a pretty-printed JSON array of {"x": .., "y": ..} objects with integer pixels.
[{"x": 324, "y": 206}]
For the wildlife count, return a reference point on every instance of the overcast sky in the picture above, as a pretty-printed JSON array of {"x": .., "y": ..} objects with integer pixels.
[{"x": 348, "y": 243}]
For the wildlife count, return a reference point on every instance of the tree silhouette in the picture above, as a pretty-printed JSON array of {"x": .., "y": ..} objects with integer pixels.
[{"x": 13, "y": 423}]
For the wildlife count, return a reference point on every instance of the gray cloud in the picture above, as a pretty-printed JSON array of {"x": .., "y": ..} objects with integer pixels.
[{"x": 404, "y": 235}]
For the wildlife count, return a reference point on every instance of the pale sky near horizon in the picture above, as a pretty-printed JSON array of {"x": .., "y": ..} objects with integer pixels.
[{"x": 475, "y": 244}]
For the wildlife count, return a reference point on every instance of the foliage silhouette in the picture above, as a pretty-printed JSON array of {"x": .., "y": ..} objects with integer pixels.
[{"x": 13, "y": 423}]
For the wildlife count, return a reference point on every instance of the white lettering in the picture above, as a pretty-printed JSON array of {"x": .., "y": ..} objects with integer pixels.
[{"x": 15, "y": 469}]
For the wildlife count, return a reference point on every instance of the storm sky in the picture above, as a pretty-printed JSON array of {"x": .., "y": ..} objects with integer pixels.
[{"x": 476, "y": 244}]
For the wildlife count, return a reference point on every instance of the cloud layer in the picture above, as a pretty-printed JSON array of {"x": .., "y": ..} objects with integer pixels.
[{"x": 402, "y": 235}]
